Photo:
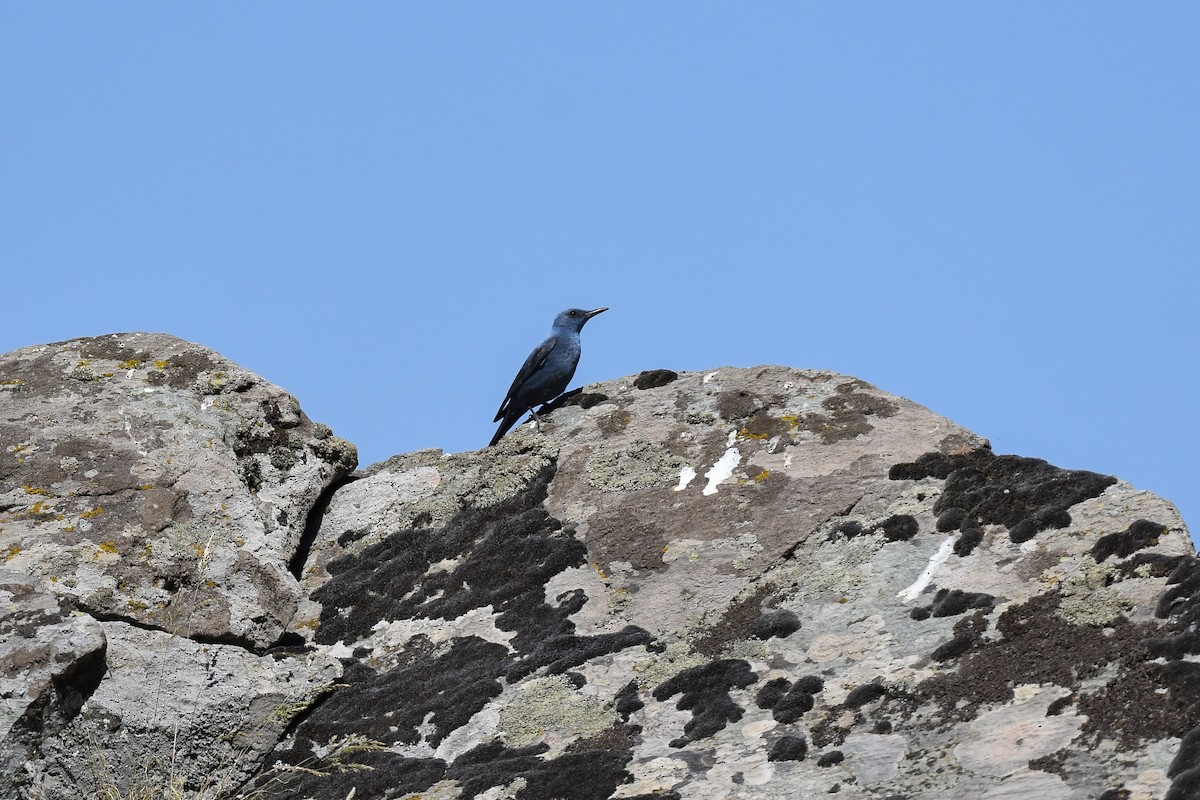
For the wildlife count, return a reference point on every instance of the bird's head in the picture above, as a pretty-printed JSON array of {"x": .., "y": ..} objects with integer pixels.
[{"x": 573, "y": 318}]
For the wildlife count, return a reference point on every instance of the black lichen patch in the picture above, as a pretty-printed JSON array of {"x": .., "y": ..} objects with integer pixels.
[
  {"x": 390, "y": 707},
  {"x": 1181, "y": 604},
  {"x": 628, "y": 701},
  {"x": 1185, "y": 787},
  {"x": 967, "y": 633},
  {"x": 810, "y": 684},
  {"x": 1139, "y": 535},
  {"x": 771, "y": 693},
  {"x": 778, "y": 623},
  {"x": 1058, "y": 706},
  {"x": 1160, "y": 714},
  {"x": 653, "y": 378},
  {"x": 838, "y": 721},
  {"x": 797, "y": 702},
  {"x": 968, "y": 540},
  {"x": 1188, "y": 757},
  {"x": 705, "y": 691},
  {"x": 866, "y": 693},
  {"x": 1035, "y": 646},
  {"x": 561, "y": 652},
  {"x": 503, "y": 554},
  {"x": 831, "y": 758},
  {"x": 1055, "y": 763},
  {"x": 1154, "y": 565},
  {"x": 788, "y": 748},
  {"x": 379, "y": 774},
  {"x": 952, "y": 602},
  {"x": 788, "y": 703},
  {"x": 898, "y": 528},
  {"x": 586, "y": 400},
  {"x": 581, "y": 773},
  {"x": 1025, "y": 495},
  {"x": 849, "y": 529}
]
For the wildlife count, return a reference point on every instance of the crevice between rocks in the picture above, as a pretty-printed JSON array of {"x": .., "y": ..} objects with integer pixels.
[
  {"x": 312, "y": 525},
  {"x": 228, "y": 639}
]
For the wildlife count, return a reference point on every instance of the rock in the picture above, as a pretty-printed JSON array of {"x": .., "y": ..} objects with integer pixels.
[
  {"x": 154, "y": 481},
  {"x": 51, "y": 660},
  {"x": 175, "y": 714},
  {"x": 751, "y": 583},
  {"x": 814, "y": 586}
]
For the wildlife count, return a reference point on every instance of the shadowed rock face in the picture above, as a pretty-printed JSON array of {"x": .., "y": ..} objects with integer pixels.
[{"x": 749, "y": 583}]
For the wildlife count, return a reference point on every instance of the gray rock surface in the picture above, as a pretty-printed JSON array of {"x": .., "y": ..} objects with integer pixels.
[
  {"x": 754, "y": 583},
  {"x": 51, "y": 659},
  {"x": 155, "y": 481},
  {"x": 745, "y": 583},
  {"x": 150, "y": 483},
  {"x": 172, "y": 714}
]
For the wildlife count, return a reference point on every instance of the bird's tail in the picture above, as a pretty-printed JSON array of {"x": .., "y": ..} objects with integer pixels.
[{"x": 509, "y": 420}]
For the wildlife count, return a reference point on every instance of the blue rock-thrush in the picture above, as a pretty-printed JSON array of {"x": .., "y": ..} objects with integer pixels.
[{"x": 547, "y": 371}]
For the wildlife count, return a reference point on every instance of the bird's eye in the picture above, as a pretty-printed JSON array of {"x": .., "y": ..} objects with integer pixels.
[{"x": 574, "y": 313}]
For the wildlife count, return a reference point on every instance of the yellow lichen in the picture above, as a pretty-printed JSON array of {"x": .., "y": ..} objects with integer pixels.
[
  {"x": 760, "y": 436},
  {"x": 83, "y": 363},
  {"x": 95, "y": 512},
  {"x": 137, "y": 605},
  {"x": 762, "y": 476},
  {"x": 793, "y": 421},
  {"x": 10, "y": 553},
  {"x": 107, "y": 547},
  {"x": 161, "y": 364},
  {"x": 12, "y": 382},
  {"x": 33, "y": 490},
  {"x": 146, "y": 486}
]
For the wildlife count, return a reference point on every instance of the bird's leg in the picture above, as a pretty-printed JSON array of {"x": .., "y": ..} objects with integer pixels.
[{"x": 538, "y": 419}]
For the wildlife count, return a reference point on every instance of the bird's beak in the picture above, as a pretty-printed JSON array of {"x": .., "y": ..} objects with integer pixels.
[{"x": 589, "y": 314}]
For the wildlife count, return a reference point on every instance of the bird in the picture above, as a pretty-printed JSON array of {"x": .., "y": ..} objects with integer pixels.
[{"x": 547, "y": 371}]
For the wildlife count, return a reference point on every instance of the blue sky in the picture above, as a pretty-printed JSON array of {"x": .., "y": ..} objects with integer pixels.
[{"x": 992, "y": 209}]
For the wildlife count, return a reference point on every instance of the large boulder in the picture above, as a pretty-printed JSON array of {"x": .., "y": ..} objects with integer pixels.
[
  {"x": 152, "y": 498},
  {"x": 154, "y": 481},
  {"x": 752, "y": 583},
  {"x": 746, "y": 583}
]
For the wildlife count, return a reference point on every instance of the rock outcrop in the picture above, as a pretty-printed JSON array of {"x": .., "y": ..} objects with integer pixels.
[{"x": 753, "y": 583}]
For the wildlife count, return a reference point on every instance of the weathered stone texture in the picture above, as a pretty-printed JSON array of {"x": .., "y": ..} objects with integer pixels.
[
  {"x": 761, "y": 583},
  {"x": 155, "y": 481},
  {"x": 745, "y": 583}
]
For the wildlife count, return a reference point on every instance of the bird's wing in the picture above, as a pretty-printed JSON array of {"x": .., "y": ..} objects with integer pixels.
[{"x": 532, "y": 364}]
